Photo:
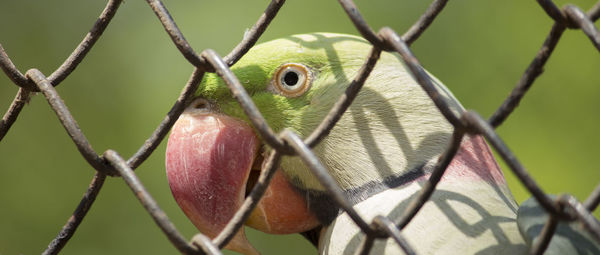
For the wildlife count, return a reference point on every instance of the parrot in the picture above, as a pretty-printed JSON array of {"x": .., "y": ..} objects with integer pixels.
[{"x": 380, "y": 153}]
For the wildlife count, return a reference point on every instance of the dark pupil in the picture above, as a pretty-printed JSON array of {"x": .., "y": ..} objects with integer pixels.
[{"x": 290, "y": 78}]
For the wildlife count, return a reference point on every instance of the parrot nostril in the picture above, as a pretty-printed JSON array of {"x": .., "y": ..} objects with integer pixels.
[{"x": 200, "y": 104}]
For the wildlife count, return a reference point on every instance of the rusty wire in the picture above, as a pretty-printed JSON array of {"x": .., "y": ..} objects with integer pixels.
[
  {"x": 565, "y": 208},
  {"x": 84, "y": 206}
]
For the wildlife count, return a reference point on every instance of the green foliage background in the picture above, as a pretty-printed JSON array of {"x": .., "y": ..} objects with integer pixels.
[{"x": 130, "y": 79}]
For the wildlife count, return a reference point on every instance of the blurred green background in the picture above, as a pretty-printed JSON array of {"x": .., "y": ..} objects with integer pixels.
[{"x": 130, "y": 79}]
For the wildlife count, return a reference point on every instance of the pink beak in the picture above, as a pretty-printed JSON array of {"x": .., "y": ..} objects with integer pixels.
[{"x": 209, "y": 158}]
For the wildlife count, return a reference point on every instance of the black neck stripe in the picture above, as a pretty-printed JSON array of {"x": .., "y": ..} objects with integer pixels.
[{"x": 326, "y": 209}]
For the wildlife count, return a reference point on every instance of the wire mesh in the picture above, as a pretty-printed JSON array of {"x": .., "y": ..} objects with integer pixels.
[{"x": 565, "y": 208}]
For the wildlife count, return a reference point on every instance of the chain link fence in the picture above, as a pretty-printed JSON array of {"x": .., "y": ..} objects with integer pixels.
[{"x": 110, "y": 163}]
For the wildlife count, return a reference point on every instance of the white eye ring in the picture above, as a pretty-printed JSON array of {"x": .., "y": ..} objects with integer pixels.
[{"x": 292, "y": 80}]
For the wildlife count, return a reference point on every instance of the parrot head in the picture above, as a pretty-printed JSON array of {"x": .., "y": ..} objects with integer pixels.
[{"x": 390, "y": 135}]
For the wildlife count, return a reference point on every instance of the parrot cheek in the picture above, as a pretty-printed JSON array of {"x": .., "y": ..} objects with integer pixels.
[
  {"x": 208, "y": 161},
  {"x": 282, "y": 209}
]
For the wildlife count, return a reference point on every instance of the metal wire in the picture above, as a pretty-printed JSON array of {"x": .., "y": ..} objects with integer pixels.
[
  {"x": 149, "y": 203},
  {"x": 565, "y": 208},
  {"x": 83, "y": 207},
  {"x": 390, "y": 228},
  {"x": 250, "y": 202}
]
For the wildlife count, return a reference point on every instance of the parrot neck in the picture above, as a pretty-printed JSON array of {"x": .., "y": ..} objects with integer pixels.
[{"x": 474, "y": 162}]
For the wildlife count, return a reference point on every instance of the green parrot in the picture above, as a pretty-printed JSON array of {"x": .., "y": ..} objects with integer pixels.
[{"x": 380, "y": 152}]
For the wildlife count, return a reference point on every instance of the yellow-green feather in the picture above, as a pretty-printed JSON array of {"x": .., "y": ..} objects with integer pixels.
[{"x": 256, "y": 68}]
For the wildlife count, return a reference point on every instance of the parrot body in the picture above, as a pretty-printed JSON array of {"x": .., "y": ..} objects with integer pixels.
[
  {"x": 568, "y": 238},
  {"x": 380, "y": 152},
  {"x": 471, "y": 212}
]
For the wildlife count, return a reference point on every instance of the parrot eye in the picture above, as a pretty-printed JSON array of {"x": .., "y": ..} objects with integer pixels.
[{"x": 292, "y": 80}]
